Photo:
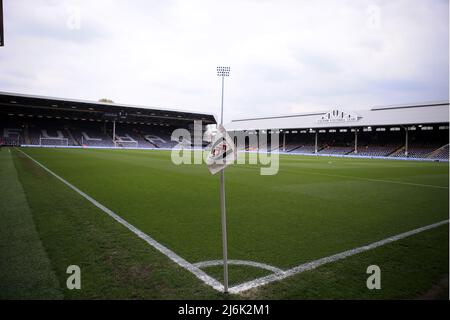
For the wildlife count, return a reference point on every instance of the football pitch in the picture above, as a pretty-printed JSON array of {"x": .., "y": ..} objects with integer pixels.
[{"x": 314, "y": 208}]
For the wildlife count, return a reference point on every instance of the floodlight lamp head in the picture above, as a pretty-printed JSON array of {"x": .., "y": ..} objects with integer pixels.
[{"x": 223, "y": 71}]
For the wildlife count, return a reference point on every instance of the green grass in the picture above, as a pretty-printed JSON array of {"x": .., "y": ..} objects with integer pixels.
[
  {"x": 314, "y": 207},
  {"x": 408, "y": 268},
  {"x": 25, "y": 270}
]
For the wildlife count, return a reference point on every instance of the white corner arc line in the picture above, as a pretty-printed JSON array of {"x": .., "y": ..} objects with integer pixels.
[
  {"x": 211, "y": 263},
  {"x": 200, "y": 274},
  {"x": 316, "y": 263}
]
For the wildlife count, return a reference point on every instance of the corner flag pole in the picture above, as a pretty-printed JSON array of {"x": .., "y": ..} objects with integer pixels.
[{"x": 223, "y": 72}]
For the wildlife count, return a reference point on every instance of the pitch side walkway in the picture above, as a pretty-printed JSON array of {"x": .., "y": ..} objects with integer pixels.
[{"x": 25, "y": 270}]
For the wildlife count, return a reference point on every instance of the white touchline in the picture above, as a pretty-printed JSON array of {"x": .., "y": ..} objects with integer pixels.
[
  {"x": 370, "y": 179},
  {"x": 392, "y": 181},
  {"x": 278, "y": 274},
  {"x": 164, "y": 250},
  {"x": 316, "y": 263},
  {"x": 361, "y": 178}
]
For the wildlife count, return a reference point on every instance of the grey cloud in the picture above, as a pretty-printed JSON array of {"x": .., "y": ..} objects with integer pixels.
[
  {"x": 53, "y": 20},
  {"x": 285, "y": 56}
]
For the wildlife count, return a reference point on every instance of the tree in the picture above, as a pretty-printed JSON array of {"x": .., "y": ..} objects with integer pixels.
[{"x": 105, "y": 100}]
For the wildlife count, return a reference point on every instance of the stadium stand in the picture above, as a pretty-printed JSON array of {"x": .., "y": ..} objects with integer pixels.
[
  {"x": 335, "y": 150},
  {"x": 159, "y": 138},
  {"x": 441, "y": 153},
  {"x": 46, "y": 121},
  {"x": 43, "y": 121},
  {"x": 419, "y": 131},
  {"x": 303, "y": 149},
  {"x": 12, "y": 134},
  {"x": 375, "y": 151},
  {"x": 371, "y": 144},
  {"x": 93, "y": 135}
]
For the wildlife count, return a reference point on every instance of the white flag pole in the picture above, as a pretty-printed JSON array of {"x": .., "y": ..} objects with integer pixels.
[{"x": 223, "y": 72}]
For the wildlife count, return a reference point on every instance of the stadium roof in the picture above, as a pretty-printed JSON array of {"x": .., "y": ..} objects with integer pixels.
[
  {"x": 424, "y": 113},
  {"x": 12, "y": 103}
]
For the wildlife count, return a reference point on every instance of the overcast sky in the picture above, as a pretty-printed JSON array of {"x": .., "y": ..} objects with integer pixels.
[{"x": 285, "y": 56}]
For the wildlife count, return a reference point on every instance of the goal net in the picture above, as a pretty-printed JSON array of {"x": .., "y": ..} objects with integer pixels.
[
  {"x": 10, "y": 141},
  {"x": 126, "y": 144},
  {"x": 53, "y": 141}
]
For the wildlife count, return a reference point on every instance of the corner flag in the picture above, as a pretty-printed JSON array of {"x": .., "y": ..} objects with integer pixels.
[{"x": 222, "y": 153}]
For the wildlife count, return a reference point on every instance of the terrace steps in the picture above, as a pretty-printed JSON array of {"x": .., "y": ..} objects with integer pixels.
[
  {"x": 432, "y": 154},
  {"x": 397, "y": 152},
  {"x": 71, "y": 136}
]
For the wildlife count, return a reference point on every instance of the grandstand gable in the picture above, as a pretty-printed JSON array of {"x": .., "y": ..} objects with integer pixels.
[{"x": 425, "y": 113}]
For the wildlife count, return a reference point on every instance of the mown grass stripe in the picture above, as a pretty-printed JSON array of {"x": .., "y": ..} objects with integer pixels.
[
  {"x": 25, "y": 269},
  {"x": 158, "y": 246}
]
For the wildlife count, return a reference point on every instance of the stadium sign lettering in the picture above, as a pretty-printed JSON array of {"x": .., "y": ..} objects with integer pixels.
[{"x": 336, "y": 115}]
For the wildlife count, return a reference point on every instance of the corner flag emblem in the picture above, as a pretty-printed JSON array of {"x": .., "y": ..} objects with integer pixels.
[{"x": 222, "y": 153}]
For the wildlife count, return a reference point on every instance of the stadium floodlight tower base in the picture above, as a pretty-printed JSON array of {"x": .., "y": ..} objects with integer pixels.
[{"x": 223, "y": 72}]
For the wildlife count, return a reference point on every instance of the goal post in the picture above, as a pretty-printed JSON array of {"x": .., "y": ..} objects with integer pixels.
[
  {"x": 53, "y": 141},
  {"x": 126, "y": 144},
  {"x": 17, "y": 140},
  {"x": 11, "y": 141}
]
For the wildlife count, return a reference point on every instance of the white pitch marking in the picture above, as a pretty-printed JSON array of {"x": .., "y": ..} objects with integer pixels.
[
  {"x": 164, "y": 250},
  {"x": 316, "y": 263},
  {"x": 370, "y": 179},
  {"x": 360, "y": 178},
  {"x": 246, "y": 285},
  {"x": 399, "y": 182},
  {"x": 210, "y": 263}
]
